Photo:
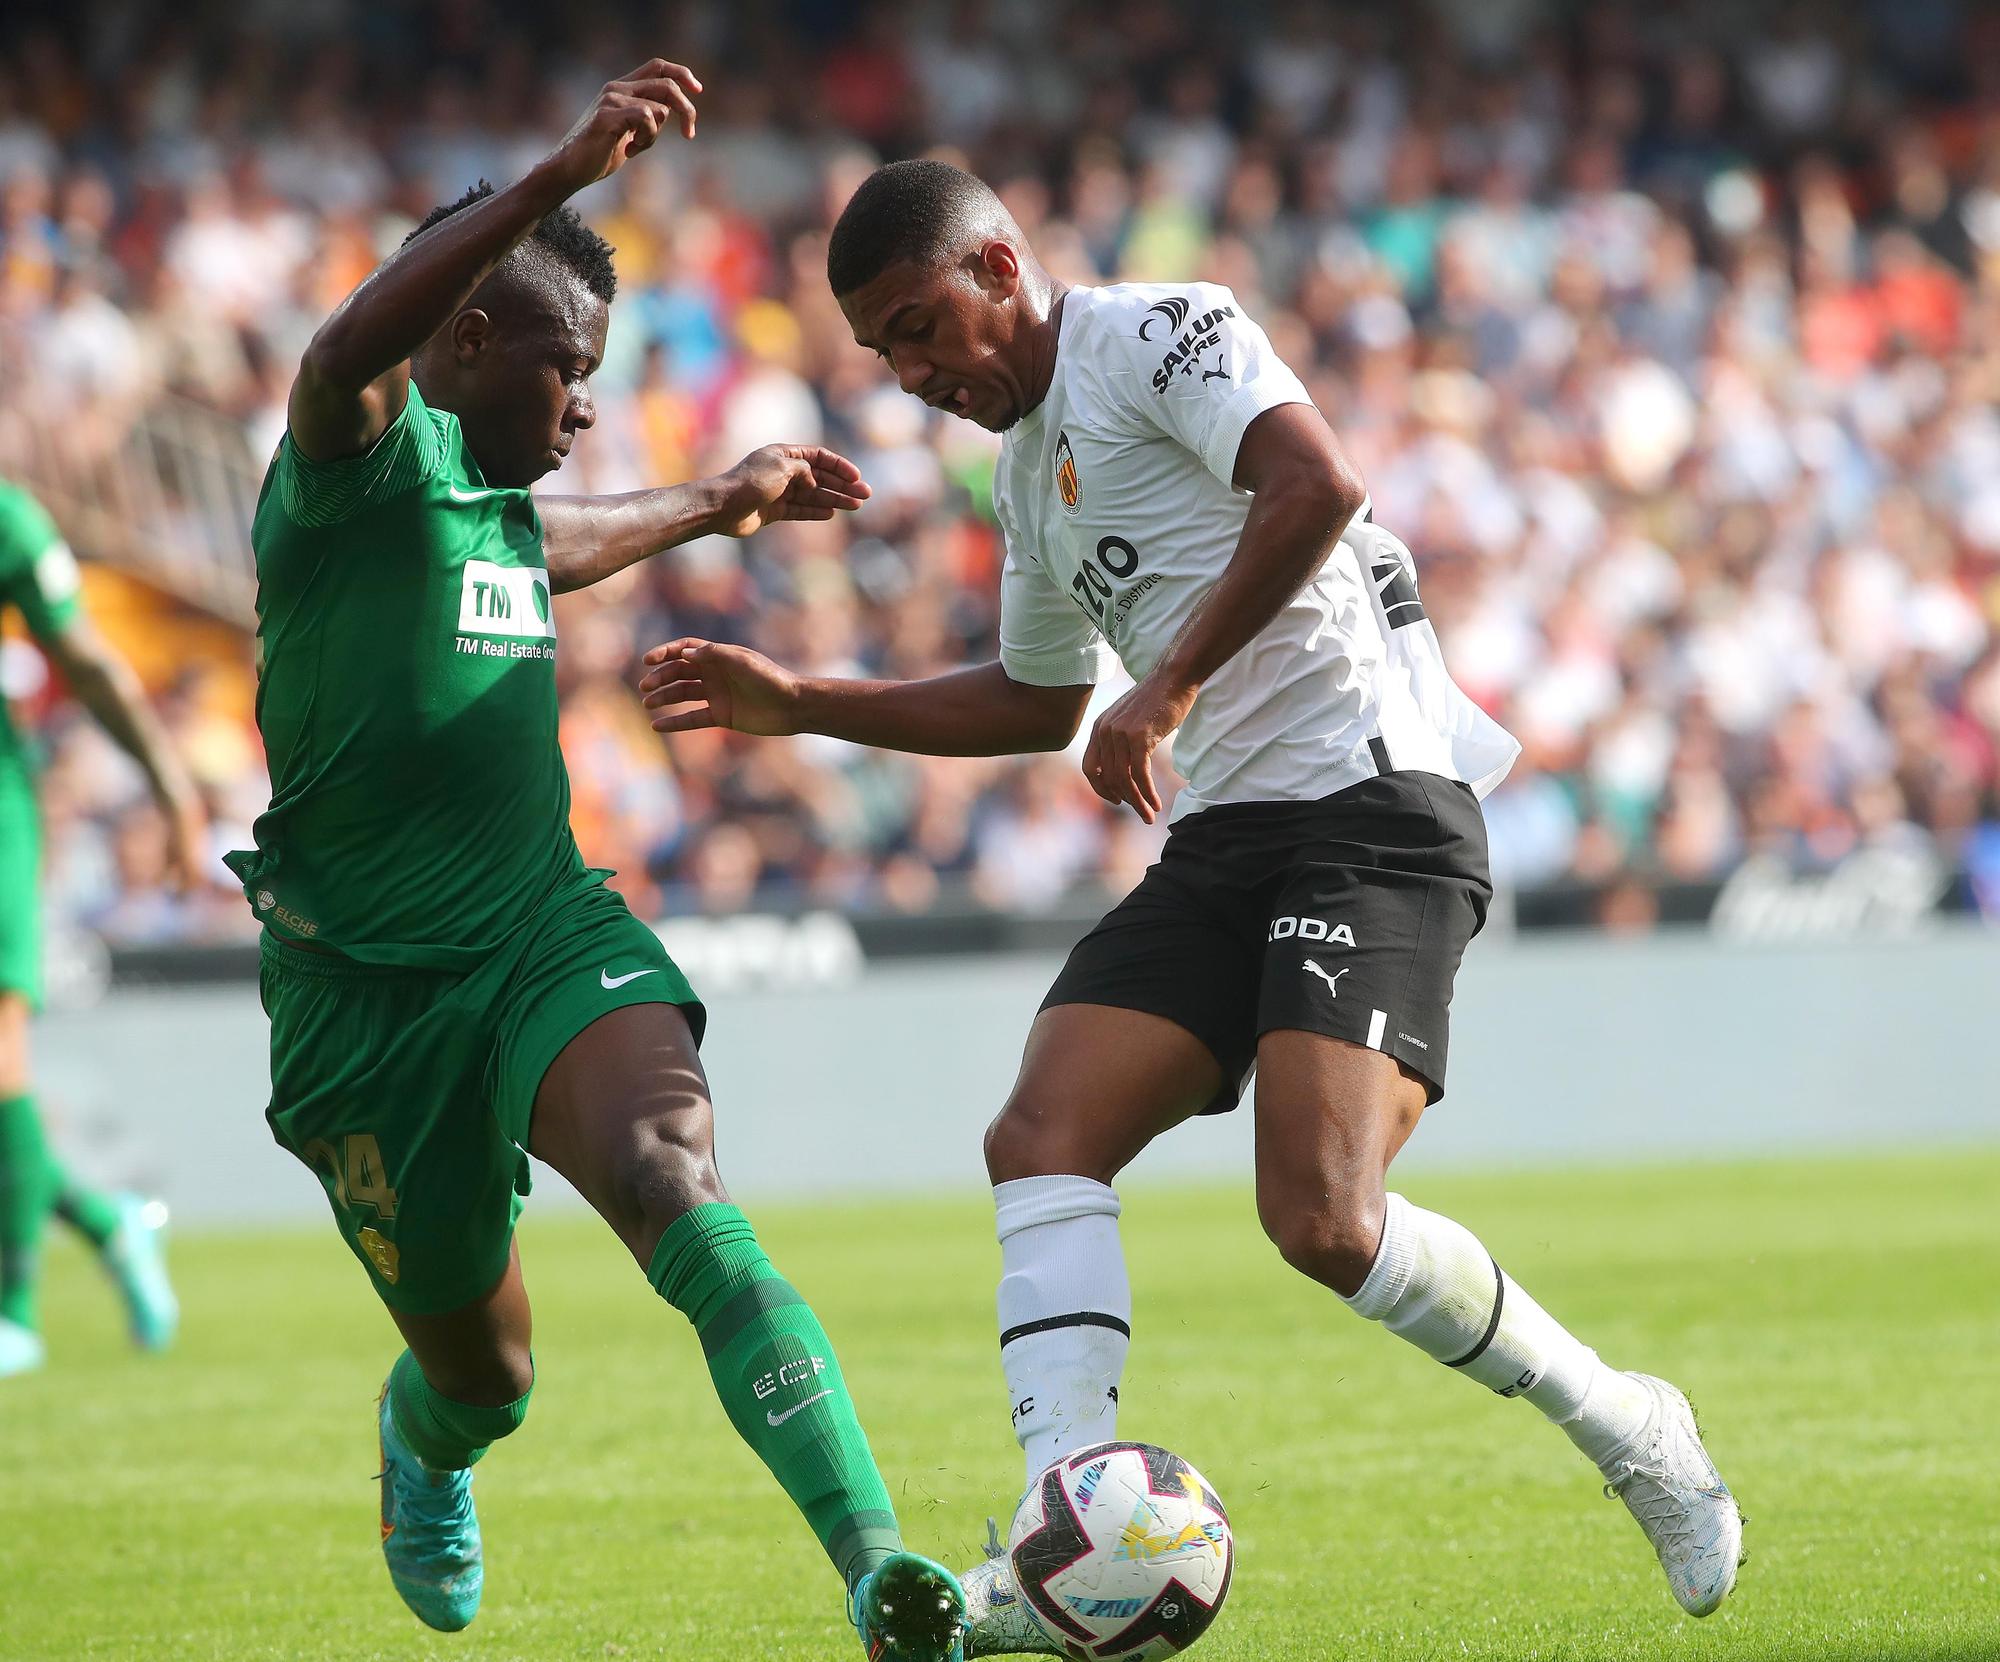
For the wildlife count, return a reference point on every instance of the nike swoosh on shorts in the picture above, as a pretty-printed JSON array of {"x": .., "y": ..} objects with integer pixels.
[{"x": 614, "y": 981}]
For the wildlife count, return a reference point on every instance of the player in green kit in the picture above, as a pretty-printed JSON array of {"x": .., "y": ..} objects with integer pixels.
[
  {"x": 448, "y": 985},
  {"x": 39, "y": 581}
]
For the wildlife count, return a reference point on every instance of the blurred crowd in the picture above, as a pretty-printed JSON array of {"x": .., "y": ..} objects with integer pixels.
[{"x": 1667, "y": 335}]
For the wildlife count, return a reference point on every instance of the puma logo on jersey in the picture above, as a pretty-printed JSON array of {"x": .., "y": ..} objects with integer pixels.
[
  {"x": 1332, "y": 981},
  {"x": 1310, "y": 929},
  {"x": 505, "y": 600},
  {"x": 1184, "y": 353}
]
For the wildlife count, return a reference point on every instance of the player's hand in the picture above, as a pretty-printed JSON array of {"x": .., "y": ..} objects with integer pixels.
[
  {"x": 1118, "y": 761},
  {"x": 187, "y": 845},
  {"x": 787, "y": 481},
  {"x": 630, "y": 113},
  {"x": 692, "y": 683}
]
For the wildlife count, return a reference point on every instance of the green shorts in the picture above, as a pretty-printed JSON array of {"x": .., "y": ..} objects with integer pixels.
[
  {"x": 20, "y": 887},
  {"x": 409, "y": 1092}
]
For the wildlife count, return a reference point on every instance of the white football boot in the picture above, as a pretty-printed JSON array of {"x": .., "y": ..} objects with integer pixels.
[
  {"x": 1668, "y": 1483},
  {"x": 998, "y": 1622}
]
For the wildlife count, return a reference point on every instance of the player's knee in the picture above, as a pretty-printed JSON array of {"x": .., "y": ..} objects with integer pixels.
[
  {"x": 1332, "y": 1239},
  {"x": 1009, "y": 1148},
  {"x": 667, "y": 1170},
  {"x": 513, "y": 1378},
  {"x": 1022, "y": 1142},
  {"x": 495, "y": 1379}
]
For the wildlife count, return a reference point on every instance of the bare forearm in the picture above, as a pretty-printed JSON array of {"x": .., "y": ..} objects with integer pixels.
[
  {"x": 970, "y": 712},
  {"x": 586, "y": 539},
  {"x": 1286, "y": 538},
  {"x": 111, "y": 693},
  {"x": 421, "y": 287}
]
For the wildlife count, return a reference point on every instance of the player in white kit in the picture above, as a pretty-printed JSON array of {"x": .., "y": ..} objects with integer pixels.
[{"x": 1169, "y": 493}]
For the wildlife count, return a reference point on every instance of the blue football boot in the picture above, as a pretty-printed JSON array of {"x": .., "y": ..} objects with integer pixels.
[
  {"x": 430, "y": 1534},
  {"x": 134, "y": 1258}
]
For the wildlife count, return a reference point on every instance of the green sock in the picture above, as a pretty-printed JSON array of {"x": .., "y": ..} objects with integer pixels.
[
  {"x": 779, "y": 1382},
  {"x": 446, "y": 1436},
  {"x": 90, "y": 1212},
  {"x": 27, "y": 1189}
]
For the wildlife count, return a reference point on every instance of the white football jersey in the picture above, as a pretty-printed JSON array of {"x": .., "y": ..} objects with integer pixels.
[{"x": 1116, "y": 501}]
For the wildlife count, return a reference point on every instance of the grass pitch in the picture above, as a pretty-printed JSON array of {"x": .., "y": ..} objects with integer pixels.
[{"x": 1835, "y": 1321}]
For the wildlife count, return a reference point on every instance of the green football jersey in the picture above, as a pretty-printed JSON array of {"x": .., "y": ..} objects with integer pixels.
[
  {"x": 38, "y": 579},
  {"x": 406, "y": 691}
]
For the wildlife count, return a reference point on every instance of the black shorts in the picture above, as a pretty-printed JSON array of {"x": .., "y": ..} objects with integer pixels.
[{"x": 1345, "y": 916}]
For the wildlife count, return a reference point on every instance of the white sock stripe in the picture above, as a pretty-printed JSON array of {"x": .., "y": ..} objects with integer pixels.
[{"x": 1025, "y": 1202}]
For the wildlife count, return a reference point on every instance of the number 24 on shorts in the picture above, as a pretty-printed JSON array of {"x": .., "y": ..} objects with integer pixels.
[{"x": 361, "y": 1179}]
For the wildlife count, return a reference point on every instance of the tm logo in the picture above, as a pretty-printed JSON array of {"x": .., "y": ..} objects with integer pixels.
[
  {"x": 505, "y": 600},
  {"x": 1175, "y": 311}
]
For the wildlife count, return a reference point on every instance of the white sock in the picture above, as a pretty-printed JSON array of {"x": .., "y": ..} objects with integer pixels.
[
  {"x": 1434, "y": 1284},
  {"x": 1065, "y": 1313}
]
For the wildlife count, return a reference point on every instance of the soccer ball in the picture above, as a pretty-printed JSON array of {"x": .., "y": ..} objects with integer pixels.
[{"x": 1123, "y": 1553}]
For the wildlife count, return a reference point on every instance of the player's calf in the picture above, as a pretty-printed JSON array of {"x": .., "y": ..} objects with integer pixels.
[
  {"x": 1065, "y": 1308},
  {"x": 1097, "y": 1084},
  {"x": 779, "y": 1381},
  {"x": 1435, "y": 1285}
]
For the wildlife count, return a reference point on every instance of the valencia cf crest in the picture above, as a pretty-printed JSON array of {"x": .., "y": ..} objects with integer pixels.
[{"x": 1068, "y": 486}]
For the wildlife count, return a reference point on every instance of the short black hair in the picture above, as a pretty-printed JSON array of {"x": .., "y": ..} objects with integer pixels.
[
  {"x": 561, "y": 235},
  {"x": 920, "y": 211}
]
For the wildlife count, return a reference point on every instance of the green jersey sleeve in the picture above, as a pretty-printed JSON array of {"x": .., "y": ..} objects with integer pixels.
[
  {"x": 410, "y": 453},
  {"x": 38, "y": 573}
]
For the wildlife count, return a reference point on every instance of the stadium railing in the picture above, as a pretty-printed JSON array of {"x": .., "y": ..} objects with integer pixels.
[{"x": 163, "y": 487}]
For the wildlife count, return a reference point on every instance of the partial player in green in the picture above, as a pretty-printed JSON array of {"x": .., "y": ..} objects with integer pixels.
[
  {"x": 449, "y": 987},
  {"x": 39, "y": 580}
]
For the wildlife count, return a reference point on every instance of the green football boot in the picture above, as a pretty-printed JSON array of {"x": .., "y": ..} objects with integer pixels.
[{"x": 909, "y": 1609}]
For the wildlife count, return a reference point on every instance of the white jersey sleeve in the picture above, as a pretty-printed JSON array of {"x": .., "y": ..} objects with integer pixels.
[
  {"x": 1044, "y": 640},
  {"x": 1117, "y": 498},
  {"x": 1193, "y": 367}
]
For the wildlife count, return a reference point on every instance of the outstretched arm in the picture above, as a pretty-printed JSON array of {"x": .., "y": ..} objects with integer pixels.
[
  {"x": 984, "y": 711},
  {"x": 585, "y": 539},
  {"x": 355, "y": 376},
  {"x": 104, "y": 684}
]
